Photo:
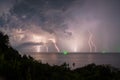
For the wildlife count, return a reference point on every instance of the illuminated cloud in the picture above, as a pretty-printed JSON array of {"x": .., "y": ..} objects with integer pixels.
[{"x": 65, "y": 21}]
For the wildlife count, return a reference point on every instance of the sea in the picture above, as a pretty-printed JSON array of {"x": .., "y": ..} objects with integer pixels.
[{"x": 76, "y": 60}]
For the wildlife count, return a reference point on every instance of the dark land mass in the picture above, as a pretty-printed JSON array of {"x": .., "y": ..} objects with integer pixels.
[{"x": 13, "y": 66}]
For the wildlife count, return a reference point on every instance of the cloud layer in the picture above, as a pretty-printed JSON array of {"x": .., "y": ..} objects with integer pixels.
[{"x": 66, "y": 21}]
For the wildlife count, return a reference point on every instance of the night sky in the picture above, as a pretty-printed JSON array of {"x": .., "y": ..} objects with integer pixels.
[{"x": 61, "y": 25}]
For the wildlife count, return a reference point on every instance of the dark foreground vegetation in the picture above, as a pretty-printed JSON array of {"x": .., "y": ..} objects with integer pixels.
[{"x": 13, "y": 66}]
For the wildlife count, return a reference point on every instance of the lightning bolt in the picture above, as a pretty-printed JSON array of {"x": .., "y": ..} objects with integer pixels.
[
  {"x": 57, "y": 47},
  {"x": 54, "y": 42},
  {"x": 91, "y": 42}
]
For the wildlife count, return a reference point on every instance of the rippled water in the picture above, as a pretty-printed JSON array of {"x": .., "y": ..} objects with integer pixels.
[{"x": 80, "y": 59}]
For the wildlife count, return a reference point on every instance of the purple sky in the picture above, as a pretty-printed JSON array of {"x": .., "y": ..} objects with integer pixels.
[{"x": 58, "y": 25}]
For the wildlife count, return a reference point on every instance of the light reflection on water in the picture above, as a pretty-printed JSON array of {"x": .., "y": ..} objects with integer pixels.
[{"x": 80, "y": 59}]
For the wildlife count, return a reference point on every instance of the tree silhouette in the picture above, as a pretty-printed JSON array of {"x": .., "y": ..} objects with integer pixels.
[{"x": 4, "y": 41}]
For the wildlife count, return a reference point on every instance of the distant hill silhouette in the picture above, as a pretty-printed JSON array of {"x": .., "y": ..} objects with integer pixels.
[{"x": 13, "y": 66}]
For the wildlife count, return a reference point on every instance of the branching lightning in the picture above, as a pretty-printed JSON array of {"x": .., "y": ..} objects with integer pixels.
[{"x": 91, "y": 43}]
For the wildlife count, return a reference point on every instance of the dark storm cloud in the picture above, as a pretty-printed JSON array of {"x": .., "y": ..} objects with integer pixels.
[
  {"x": 2, "y": 21},
  {"x": 49, "y": 14},
  {"x": 5, "y": 6}
]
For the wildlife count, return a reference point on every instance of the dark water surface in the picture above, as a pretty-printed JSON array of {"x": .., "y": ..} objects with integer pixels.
[{"x": 80, "y": 59}]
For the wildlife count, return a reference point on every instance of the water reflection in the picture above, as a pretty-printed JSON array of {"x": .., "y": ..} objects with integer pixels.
[{"x": 79, "y": 59}]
